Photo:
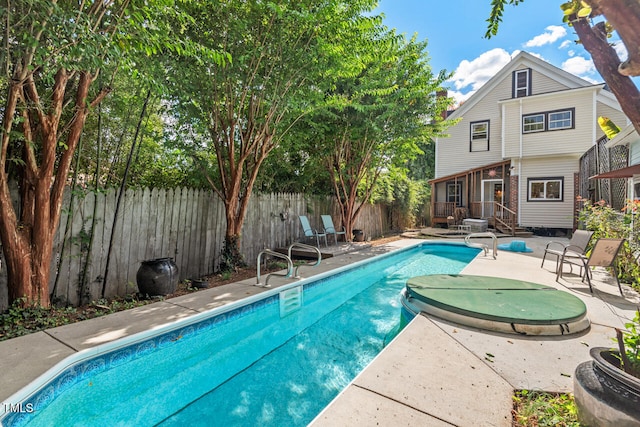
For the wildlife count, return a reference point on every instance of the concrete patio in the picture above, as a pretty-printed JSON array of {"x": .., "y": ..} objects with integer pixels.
[{"x": 433, "y": 373}]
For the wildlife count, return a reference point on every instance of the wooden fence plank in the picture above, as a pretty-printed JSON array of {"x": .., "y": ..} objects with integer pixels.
[
  {"x": 185, "y": 224},
  {"x": 127, "y": 263},
  {"x": 95, "y": 255},
  {"x": 112, "y": 286}
]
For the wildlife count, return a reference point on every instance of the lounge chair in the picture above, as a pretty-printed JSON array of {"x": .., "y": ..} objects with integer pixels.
[
  {"x": 329, "y": 228},
  {"x": 310, "y": 232},
  {"x": 578, "y": 243},
  {"x": 603, "y": 254}
]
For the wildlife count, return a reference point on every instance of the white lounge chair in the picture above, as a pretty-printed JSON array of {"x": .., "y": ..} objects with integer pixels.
[
  {"x": 329, "y": 228},
  {"x": 311, "y": 232}
]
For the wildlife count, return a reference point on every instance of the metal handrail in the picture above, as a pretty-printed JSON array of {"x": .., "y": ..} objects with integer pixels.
[
  {"x": 302, "y": 245},
  {"x": 483, "y": 246},
  {"x": 278, "y": 255}
]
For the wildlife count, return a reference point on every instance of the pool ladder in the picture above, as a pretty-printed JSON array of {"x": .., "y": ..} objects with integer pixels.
[
  {"x": 483, "y": 246},
  {"x": 291, "y": 272}
]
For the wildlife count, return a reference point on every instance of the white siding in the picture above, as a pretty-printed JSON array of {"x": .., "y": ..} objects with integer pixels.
[
  {"x": 543, "y": 84},
  {"x": 453, "y": 153},
  {"x": 548, "y": 214},
  {"x": 556, "y": 142}
]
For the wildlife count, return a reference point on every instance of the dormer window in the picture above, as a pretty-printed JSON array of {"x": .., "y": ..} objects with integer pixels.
[{"x": 522, "y": 83}]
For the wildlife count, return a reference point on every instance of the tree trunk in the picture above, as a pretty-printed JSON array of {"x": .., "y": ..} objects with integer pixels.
[
  {"x": 28, "y": 240},
  {"x": 624, "y": 17},
  {"x": 606, "y": 61}
]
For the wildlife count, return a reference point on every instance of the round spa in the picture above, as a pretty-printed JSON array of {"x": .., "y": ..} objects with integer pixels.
[{"x": 496, "y": 304}]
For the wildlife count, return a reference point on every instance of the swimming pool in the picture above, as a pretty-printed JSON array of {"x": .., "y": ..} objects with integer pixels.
[{"x": 247, "y": 363}]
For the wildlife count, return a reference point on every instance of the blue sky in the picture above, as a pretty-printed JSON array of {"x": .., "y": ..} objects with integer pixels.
[{"x": 454, "y": 30}]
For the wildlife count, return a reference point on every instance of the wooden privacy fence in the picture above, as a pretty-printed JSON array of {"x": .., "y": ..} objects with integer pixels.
[{"x": 185, "y": 224}]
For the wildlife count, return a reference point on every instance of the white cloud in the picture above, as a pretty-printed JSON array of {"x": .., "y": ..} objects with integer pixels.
[
  {"x": 578, "y": 66},
  {"x": 478, "y": 71},
  {"x": 571, "y": 53},
  {"x": 460, "y": 97},
  {"x": 552, "y": 33},
  {"x": 621, "y": 50},
  {"x": 565, "y": 44}
]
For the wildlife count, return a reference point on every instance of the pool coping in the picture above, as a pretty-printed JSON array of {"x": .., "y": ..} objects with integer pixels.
[{"x": 25, "y": 358}]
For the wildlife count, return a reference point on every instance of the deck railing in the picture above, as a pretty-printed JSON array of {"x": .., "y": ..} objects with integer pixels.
[
  {"x": 443, "y": 209},
  {"x": 505, "y": 218}
]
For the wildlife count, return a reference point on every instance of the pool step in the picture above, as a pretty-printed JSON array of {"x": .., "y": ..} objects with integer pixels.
[{"x": 290, "y": 301}]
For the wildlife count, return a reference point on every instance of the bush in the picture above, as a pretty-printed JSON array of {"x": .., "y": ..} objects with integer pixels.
[{"x": 606, "y": 222}]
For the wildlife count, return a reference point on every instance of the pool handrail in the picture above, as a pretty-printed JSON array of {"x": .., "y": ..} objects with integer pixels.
[
  {"x": 277, "y": 255},
  {"x": 483, "y": 246},
  {"x": 304, "y": 246}
]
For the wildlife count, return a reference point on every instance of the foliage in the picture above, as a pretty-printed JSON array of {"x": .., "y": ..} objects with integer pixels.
[
  {"x": 230, "y": 119},
  {"x": 230, "y": 256},
  {"x": 495, "y": 18},
  {"x": 407, "y": 197},
  {"x": 629, "y": 345},
  {"x": 606, "y": 222},
  {"x": 378, "y": 119},
  {"x": 535, "y": 408},
  {"x": 20, "y": 319},
  {"x": 53, "y": 55}
]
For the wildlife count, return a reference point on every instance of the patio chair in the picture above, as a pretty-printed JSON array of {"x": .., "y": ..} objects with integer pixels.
[
  {"x": 603, "y": 254},
  {"x": 310, "y": 232},
  {"x": 578, "y": 243},
  {"x": 329, "y": 228}
]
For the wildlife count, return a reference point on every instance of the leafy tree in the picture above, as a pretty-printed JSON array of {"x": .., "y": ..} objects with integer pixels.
[
  {"x": 233, "y": 118},
  {"x": 377, "y": 117},
  {"x": 53, "y": 53},
  {"x": 624, "y": 17}
]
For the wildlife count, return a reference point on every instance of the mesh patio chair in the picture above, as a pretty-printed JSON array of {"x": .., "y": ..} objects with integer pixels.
[
  {"x": 329, "y": 228},
  {"x": 603, "y": 254},
  {"x": 578, "y": 243},
  {"x": 311, "y": 232}
]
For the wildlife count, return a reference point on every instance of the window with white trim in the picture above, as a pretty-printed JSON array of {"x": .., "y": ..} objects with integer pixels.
[
  {"x": 548, "y": 121},
  {"x": 533, "y": 123},
  {"x": 545, "y": 189},
  {"x": 479, "y": 136},
  {"x": 522, "y": 83},
  {"x": 561, "y": 120}
]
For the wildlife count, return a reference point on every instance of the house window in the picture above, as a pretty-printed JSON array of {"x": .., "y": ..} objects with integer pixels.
[
  {"x": 545, "y": 189},
  {"x": 561, "y": 120},
  {"x": 533, "y": 123},
  {"x": 521, "y": 83},
  {"x": 548, "y": 120},
  {"x": 454, "y": 192},
  {"x": 479, "y": 136}
]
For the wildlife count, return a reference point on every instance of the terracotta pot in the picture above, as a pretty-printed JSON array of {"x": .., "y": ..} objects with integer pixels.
[
  {"x": 606, "y": 395},
  {"x": 157, "y": 277}
]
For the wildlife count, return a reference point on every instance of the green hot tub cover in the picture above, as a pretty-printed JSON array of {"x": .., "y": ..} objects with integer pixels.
[{"x": 498, "y": 304}]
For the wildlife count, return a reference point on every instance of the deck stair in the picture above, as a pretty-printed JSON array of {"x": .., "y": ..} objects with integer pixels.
[
  {"x": 504, "y": 220},
  {"x": 516, "y": 231}
]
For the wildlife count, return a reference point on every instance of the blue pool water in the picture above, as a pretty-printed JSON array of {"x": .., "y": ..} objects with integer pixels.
[{"x": 248, "y": 366}]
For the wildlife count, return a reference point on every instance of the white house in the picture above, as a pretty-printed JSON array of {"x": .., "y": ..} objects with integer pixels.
[{"x": 513, "y": 156}]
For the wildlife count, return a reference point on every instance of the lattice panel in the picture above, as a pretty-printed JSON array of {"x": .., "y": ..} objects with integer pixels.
[{"x": 600, "y": 159}]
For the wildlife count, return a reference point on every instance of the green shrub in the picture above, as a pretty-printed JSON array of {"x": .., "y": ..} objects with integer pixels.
[{"x": 606, "y": 222}]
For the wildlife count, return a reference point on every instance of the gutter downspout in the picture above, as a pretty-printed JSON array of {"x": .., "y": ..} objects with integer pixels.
[{"x": 520, "y": 167}]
